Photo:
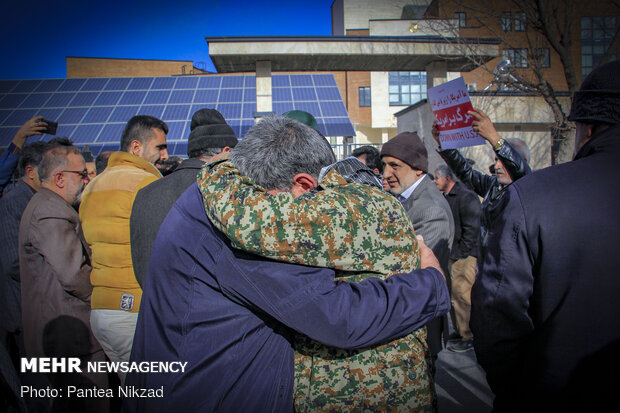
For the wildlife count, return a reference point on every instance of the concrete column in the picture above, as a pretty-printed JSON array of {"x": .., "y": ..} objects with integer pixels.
[
  {"x": 384, "y": 135},
  {"x": 263, "y": 86},
  {"x": 436, "y": 73}
]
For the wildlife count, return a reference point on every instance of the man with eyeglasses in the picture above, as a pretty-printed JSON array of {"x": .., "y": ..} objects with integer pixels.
[{"x": 55, "y": 266}]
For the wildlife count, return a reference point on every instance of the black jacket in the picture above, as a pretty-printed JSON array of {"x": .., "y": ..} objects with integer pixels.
[
  {"x": 545, "y": 304},
  {"x": 151, "y": 206},
  {"x": 466, "y": 210}
]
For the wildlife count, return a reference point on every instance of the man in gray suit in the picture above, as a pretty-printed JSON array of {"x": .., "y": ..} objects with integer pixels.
[
  {"x": 210, "y": 139},
  {"x": 405, "y": 163}
]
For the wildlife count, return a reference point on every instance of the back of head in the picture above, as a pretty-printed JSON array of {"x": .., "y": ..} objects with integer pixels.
[
  {"x": 303, "y": 117},
  {"x": 373, "y": 158},
  {"x": 521, "y": 147},
  {"x": 598, "y": 99},
  {"x": 54, "y": 157},
  {"x": 277, "y": 148},
  {"x": 209, "y": 133},
  {"x": 101, "y": 162},
  {"x": 409, "y": 148},
  {"x": 139, "y": 128},
  {"x": 31, "y": 155}
]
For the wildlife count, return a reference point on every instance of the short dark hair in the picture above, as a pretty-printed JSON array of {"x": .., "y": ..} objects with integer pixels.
[
  {"x": 101, "y": 162},
  {"x": 139, "y": 128},
  {"x": 60, "y": 141},
  {"x": 31, "y": 154},
  {"x": 373, "y": 158}
]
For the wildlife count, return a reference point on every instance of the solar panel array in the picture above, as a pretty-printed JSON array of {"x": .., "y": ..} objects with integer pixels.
[{"x": 94, "y": 111}]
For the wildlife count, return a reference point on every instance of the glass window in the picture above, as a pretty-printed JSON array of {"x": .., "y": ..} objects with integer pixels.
[
  {"x": 519, "y": 22},
  {"x": 462, "y": 18},
  {"x": 406, "y": 88},
  {"x": 542, "y": 55},
  {"x": 596, "y": 37},
  {"x": 364, "y": 96},
  {"x": 506, "y": 21},
  {"x": 518, "y": 57}
]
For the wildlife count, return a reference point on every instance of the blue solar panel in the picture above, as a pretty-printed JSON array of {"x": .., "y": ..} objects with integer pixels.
[
  {"x": 12, "y": 101},
  {"x": 281, "y": 94},
  {"x": 94, "y": 84},
  {"x": 301, "y": 80},
  {"x": 328, "y": 93},
  {"x": 123, "y": 113},
  {"x": 36, "y": 100},
  {"x": 98, "y": 115},
  {"x": 120, "y": 83},
  {"x": 175, "y": 112},
  {"x": 84, "y": 99},
  {"x": 108, "y": 98},
  {"x": 140, "y": 83},
  {"x": 232, "y": 81},
  {"x": 49, "y": 85},
  {"x": 182, "y": 96},
  {"x": 72, "y": 85},
  {"x": 132, "y": 98},
  {"x": 86, "y": 133},
  {"x": 152, "y": 110},
  {"x": 26, "y": 86},
  {"x": 19, "y": 117},
  {"x": 304, "y": 93},
  {"x": 206, "y": 96},
  {"x": 94, "y": 111},
  {"x": 210, "y": 82},
  {"x": 72, "y": 115},
  {"x": 7, "y": 85},
  {"x": 280, "y": 81},
  {"x": 157, "y": 97}
]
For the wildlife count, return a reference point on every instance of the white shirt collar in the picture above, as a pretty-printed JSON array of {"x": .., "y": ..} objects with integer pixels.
[{"x": 407, "y": 193}]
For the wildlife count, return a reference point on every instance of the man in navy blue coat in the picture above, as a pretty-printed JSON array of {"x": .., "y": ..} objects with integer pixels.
[
  {"x": 545, "y": 306},
  {"x": 230, "y": 314}
]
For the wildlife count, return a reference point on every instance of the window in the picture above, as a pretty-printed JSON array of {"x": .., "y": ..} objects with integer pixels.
[
  {"x": 407, "y": 88},
  {"x": 364, "y": 96},
  {"x": 596, "y": 36},
  {"x": 519, "y": 22},
  {"x": 506, "y": 21},
  {"x": 518, "y": 57},
  {"x": 542, "y": 56},
  {"x": 462, "y": 18}
]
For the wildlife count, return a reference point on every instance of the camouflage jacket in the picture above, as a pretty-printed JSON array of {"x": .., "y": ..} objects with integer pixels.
[{"x": 361, "y": 232}]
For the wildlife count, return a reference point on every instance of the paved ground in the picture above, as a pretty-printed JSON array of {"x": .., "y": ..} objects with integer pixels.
[{"x": 461, "y": 384}]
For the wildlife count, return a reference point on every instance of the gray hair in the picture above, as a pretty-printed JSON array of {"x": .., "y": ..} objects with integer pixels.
[
  {"x": 444, "y": 171},
  {"x": 54, "y": 158},
  {"x": 520, "y": 146},
  {"x": 277, "y": 148}
]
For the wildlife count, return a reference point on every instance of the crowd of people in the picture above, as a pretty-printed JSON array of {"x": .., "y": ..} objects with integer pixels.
[{"x": 289, "y": 281}]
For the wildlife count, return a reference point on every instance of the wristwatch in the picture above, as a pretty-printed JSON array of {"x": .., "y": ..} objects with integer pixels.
[{"x": 499, "y": 143}]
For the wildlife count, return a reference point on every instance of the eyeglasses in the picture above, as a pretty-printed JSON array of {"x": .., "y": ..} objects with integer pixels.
[{"x": 83, "y": 174}]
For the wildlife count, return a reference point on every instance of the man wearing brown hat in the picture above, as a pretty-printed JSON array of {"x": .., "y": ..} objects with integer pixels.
[
  {"x": 405, "y": 163},
  {"x": 544, "y": 307},
  {"x": 210, "y": 139}
]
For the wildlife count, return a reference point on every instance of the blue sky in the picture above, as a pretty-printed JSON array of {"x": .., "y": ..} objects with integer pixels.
[{"x": 38, "y": 35}]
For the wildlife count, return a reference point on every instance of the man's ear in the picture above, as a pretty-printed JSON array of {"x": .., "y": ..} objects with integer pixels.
[
  {"x": 58, "y": 179},
  {"x": 226, "y": 149},
  {"x": 31, "y": 172},
  {"x": 135, "y": 147},
  {"x": 303, "y": 183}
]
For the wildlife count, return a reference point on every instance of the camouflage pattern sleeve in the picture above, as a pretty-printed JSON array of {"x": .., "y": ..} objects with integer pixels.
[{"x": 319, "y": 228}]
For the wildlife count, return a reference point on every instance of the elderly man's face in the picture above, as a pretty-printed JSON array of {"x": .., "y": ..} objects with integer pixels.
[
  {"x": 503, "y": 176},
  {"x": 399, "y": 175},
  {"x": 75, "y": 181},
  {"x": 441, "y": 182}
]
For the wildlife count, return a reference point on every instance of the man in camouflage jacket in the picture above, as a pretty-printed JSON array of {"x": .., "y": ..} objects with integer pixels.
[{"x": 359, "y": 230}]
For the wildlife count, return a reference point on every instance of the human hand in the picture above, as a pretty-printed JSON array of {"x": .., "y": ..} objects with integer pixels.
[
  {"x": 34, "y": 126},
  {"x": 484, "y": 127},
  {"x": 427, "y": 258}
]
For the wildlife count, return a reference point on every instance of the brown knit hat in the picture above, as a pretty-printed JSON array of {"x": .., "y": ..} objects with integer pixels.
[{"x": 409, "y": 148}]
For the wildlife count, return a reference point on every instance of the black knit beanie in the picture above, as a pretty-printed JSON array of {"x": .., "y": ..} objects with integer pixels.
[
  {"x": 598, "y": 99},
  {"x": 209, "y": 130},
  {"x": 409, "y": 148}
]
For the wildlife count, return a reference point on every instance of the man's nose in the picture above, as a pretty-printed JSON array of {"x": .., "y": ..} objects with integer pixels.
[{"x": 163, "y": 154}]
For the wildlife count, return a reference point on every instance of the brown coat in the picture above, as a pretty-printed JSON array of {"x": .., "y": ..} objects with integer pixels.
[{"x": 55, "y": 266}]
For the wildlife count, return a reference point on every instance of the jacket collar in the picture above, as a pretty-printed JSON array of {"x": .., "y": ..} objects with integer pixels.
[
  {"x": 602, "y": 141},
  {"x": 191, "y": 163},
  {"x": 127, "y": 159}
]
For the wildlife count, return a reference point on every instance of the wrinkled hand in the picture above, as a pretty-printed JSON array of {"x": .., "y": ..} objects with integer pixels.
[
  {"x": 427, "y": 258},
  {"x": 483, "y": 126},
  {"x": 34, "y": 126},
  {"x": 435, "y": 132}
]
